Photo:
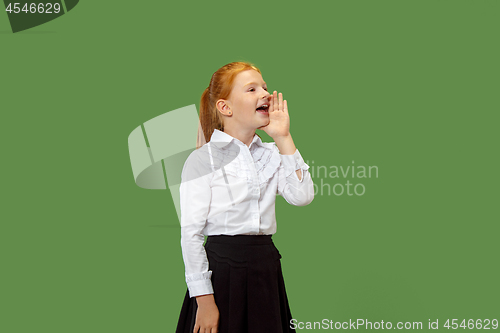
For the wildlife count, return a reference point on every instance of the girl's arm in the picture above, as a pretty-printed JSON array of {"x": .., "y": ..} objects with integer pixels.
[
  {"x": 294, "y": 180},
  {"x": 195, "y": 197},
  {"x": 287, "y": 147}
]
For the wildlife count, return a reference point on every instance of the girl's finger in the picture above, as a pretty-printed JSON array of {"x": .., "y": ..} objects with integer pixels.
[
  {"x": 275, "y": 101},
  {"x": 285, "y": 107},
  {"x": 271, "y": 103},
  {"x": 280, "y": 102}
]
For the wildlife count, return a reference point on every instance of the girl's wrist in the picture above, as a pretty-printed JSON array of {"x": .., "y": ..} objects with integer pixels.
[
  {"x": 285, "y": 144},
  {"x": 205, "y": 299},
  {"x": 283, "y": 137}
]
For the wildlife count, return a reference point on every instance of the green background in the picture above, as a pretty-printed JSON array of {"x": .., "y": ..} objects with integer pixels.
[{"x": 408, "y": 86}]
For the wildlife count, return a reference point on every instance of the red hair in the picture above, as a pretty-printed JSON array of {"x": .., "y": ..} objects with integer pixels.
[{"x": 220, "y": 87}]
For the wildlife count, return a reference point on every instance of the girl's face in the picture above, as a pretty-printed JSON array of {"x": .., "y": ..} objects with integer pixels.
[{"x": 249, "y": 101}]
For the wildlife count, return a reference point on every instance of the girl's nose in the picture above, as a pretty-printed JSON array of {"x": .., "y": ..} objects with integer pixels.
[{"x": 266, "y": 95}]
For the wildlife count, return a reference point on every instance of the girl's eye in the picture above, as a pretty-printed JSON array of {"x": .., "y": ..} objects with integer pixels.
[
  {"x": 251, "y": 89},
  {"x": 265, "y": 88}
]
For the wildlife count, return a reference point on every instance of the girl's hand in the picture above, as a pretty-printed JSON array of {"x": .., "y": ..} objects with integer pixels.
[
  {"x": 207, "y": 315},
  {"x": 279, "y": 121}
]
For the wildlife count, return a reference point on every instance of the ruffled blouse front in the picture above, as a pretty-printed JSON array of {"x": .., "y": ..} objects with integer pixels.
[{"x": 229, "y": 188}]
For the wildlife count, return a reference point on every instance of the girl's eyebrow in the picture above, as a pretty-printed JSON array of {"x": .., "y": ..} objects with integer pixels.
[{"x": 254, "y": 83}]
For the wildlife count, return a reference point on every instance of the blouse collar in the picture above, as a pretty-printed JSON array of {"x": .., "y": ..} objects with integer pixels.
[{"x": 221, "y": 139}]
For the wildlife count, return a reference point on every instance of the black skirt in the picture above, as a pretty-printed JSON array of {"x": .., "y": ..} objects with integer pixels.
[{"x": 249, "y": 290}]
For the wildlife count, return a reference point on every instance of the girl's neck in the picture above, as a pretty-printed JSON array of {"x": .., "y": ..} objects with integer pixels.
[{"x": 245, "y": 136}]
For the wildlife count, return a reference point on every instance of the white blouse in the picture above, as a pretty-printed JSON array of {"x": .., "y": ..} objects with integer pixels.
[{"x": 229, "y": 188}]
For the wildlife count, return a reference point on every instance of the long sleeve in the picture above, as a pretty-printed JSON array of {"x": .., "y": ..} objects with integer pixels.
[
  {"x": 296, "y": 192},
  {"x": 195, "y": 197}
]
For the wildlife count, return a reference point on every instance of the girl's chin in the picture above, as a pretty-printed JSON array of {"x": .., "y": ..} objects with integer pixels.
[
  {"x": 265, "y": 123},
  {"x": 262, "y": 124}
]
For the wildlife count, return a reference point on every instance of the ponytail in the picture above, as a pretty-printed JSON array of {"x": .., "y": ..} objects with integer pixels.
[
  {"x": 200, "y": 141},
  {"x": 210, "y": 119}
]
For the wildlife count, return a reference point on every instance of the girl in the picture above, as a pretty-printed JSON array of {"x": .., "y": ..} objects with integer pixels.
[{"x": 228, "y": 192}]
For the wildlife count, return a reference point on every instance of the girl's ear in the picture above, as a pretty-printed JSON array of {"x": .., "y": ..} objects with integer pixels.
[{"x": 223, "y": 107}]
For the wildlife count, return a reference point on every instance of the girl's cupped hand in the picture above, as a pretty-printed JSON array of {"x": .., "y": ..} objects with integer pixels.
[{"x": 279, "y": 121}]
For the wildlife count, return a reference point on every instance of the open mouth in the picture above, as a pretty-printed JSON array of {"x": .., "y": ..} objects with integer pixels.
[{"x": 263, "y": 108}]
